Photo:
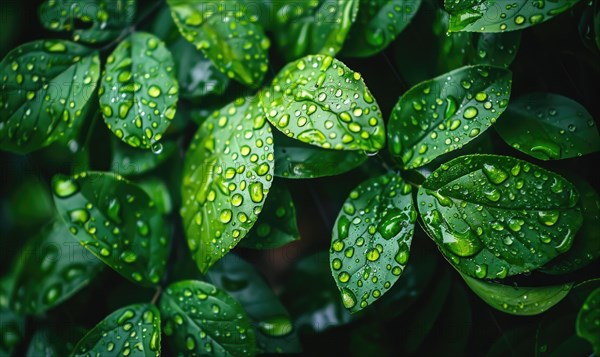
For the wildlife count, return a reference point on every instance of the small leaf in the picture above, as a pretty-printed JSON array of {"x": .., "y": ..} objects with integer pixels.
[
  {"x": 139, "y": 92},
  {"x": 497, "y": 216},
  {"x": 12, "y": 331},
  {"x": 158, "y": 192},
  {"x": 90, "y": 20},
  {"x": 587, "y": 324},
  {"x": 115, "y": 334},
  {"x": 371, "y": 240},
  {"x": 204, "y": 320},
  {"x": 313, "y": 27},
  {"x": 549, "y": 127},
  {"x": 130, "y": 161},
  {"x": 53, "y": 268},
  {"x": 228, "y": 34},
  {"x": 116, "y": 221},
  {"x": 499, "y": 16},
  {"x": 227, "y": 174},
  {"x": 377, "y": 25},
  {"x": 46, "y": 86},
  {"x": 441, "y": 115},
  {"x": 320, "y": 101},
  {"x": 276, "y": 225},
  {"x": 523, "y": 301}
]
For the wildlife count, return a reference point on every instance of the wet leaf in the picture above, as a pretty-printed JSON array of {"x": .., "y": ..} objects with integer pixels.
[
  {"x": 497, "y": 216},
  {"x": 12, "y": 331},
  {"x": 130, "y": 161},
  {"x": 441, "y": 115},
  {"x": 158, "y": 192},
  {"x": 588, "y": 320},
  {"x": 54, "y": 341},
  {"x": 139, "y": 91},
  {"x": 46, "y": 87},
  {"x": 116, "y": 221}
]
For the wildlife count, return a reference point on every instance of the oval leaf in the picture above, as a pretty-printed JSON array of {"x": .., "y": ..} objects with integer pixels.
[
  {"x": 441, "y": 115},
  {"x": 497, "y": 216},
  {"x": 587, "y": 320},
  {"x": 116, "y": 221},
  {"x": 139, "y": 92},
  {"x": 115, "y": 334},
  {"x": 549, "y": 127},
  {"x": 227, "y": 174},
  {"x": 204, "y": 320},
  {"x": 320, "y": 101},
  {"x": 46, "y": 86},
  {"x": 371, "y": 240}
]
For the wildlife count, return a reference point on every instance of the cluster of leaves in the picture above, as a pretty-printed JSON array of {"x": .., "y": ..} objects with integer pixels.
[{"x": 205, "y": 63}]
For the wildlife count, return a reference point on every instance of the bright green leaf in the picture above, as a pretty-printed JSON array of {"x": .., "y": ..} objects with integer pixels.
[
  {"x": 130, "y": 161},
  {"x": 371, "y": 240},
  {"x": 549, "y": 127},
  {"x": 46, "y": 86},
  {"x": 497, "y": 216},
  {"x": 441, "y": 115},
  {"x": 116, "y": 221},
  {"x": 204, "y": 320},
  {"x": 227, "y": 174},
  {"x": 115, "y": 334},
  {"x": 588, "y": 320},
  {"x": 320, "y": 101},
  {"x": 139, "y": 92}
]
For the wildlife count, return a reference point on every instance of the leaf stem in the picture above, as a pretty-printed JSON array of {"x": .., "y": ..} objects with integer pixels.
[{"x": 157, "y": 294}]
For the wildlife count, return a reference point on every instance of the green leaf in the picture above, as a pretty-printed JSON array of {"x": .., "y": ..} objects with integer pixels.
[
  {"x": 320, "y": 101},
  {"x": 371, "y": 240},
  {"x": 228, "y": 34},
  {"x": 204, "y": 320},
  {"x": 116, "y": 221},
  {"x": 377, "y": 25},
  {"x": 90, "y": 20},
  {"x": 587, "y": 320},
  {"x": 227, "y": 174},
  {"x": 53, "y": 267},
  {"x": 497, "y": 216},
  {"x": 443, "y": 114},
  {"x": 46, "y": 86},
  {"x": 276, "y": 225},
  {"x": 313, "y": 27},
  {"x": 12, "y": 331},
  {"x": 115, "y": 334},
  {"x": 158, "y": 192},
  {"x": 130, "y": 161},
  {"x": 523, "y": 301},
  {"x": 499, "y": 16},
  {"x": 54, "y": 341},
  {"x": 549, "y": 126},
  {"x": 139, "y": 92}
]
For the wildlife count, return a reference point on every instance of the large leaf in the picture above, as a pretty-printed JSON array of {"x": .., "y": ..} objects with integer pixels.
[
  {"x": 441, "y": 115},
  {"x": 90, "y": 20},
  {"x": 320, "y": 101},
  {"x": 204, "y": 320},
  {"x": 497, "y": 216},
  {"x": 499, "y": 15},
  {"x": 549, "y": 127},
  {"x": 371, "y": 240},
  {"x": 139, "y": 92},
  {"x": 313, "y": 26},
  {"x": 377, "y": 25},
  {"x": 228, "y": 33},
  {"x": 588, "y": 319},
  {"x": 46, "y": 86},
  {"x": 131, "y": 331},
  {"x": 130, "y": 161},
  {"x": 116, "y": 221},
  {"x": 227, "y": 174}
]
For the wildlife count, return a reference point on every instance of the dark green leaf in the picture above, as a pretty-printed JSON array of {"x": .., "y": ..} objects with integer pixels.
[
  {"x": 516, "y": 342},
  {"x": 276, "y": 225},
  {"x": 377, "y": 25},
  {"x": 371, "y": 240},
  {"x": 556, "y": 336},
  {"x": 588, "y": 320},
  {"x": 320, "y": 101},
  {"x": 90, "y": 20},
  {"x": 131, "y": 331},
  {"x": 130, "y": 161},
  {"x": 139, "y": 92},
  {"x": 12, "y": 331},
  {"x": 46, "y": 86},
  {"x": 549, "y": 127},
  {"x": 227, "y": 174},
  {"x": 116, "y": 221},
  {"x": 314, "y": 26},
  {"x": 499, "y": 15},
  {"x": 54, "y": 342},
  {"x": 228, "y": 34},
  {"x": 497, "y": 216},
  {"x": 441, "y": 115},
  {"x": 204, "y": 320},
  {"x": 30, "y": 203},
  {"x": 158, "y": 192}
]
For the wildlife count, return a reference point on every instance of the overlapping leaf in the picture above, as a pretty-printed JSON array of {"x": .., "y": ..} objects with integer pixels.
[
  {"x": 130, "y": 161},
  {"x": 587, "y": 320}
]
